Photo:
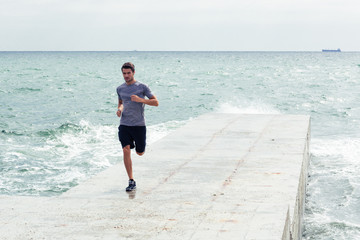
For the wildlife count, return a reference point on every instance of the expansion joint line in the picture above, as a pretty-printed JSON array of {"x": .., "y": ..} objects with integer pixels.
[
  {"x": 242, "y": 159},
  {"x": 232, "y": 175},
  {"x": 196, "y": 155}
]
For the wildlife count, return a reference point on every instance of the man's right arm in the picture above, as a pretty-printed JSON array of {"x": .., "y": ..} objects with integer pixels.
[{"x": 120, "y": 108}]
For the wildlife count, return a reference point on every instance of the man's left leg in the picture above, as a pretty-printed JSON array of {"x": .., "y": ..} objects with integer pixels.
[{"x": 140, "y": 140}]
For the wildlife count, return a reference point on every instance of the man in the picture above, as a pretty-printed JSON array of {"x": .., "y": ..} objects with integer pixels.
[{"x": 132, "y": 129}]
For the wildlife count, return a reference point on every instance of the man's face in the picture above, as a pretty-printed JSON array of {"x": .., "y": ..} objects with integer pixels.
[{"x": 128, "y": 75}]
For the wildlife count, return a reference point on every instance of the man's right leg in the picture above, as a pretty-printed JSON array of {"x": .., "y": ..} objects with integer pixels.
[
  {"x": 127, "y": 143},
  {"x": 128, "y": 166},
  {"x": 127, "y": 161}
]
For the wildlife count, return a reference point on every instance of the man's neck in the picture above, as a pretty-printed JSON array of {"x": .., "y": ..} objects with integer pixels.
[{"x": 131, "y": 82}]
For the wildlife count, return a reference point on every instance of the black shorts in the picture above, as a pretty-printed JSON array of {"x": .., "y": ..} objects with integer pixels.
[{"x": 135, "y": 136}]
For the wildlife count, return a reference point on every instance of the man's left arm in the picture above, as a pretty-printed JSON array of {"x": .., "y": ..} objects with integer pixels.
[{"x": 152, "y": 101}]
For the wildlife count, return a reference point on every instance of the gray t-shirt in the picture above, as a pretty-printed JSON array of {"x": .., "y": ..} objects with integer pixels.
[{"x": 133, "y": 112}]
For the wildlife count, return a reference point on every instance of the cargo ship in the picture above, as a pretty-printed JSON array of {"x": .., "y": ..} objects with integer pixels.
[{"x": 331, "y": 50}]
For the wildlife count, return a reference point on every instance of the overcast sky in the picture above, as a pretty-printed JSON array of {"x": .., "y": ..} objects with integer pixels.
[{"x": 183, "y": 25}]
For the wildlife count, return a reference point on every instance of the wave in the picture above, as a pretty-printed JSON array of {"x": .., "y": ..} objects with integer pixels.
[
  {"x": 348, "y": 149},
  {"x": 33, "y": 69},
  {"x": 28, "y": 89},
  {"x": 332, "y": 191},
  {"x": 64, "y": 128},
  {"x": 52, "y": 161},
  {"x": 11, "y": 133},
  {"x": 246, "y": 107},
  {"x": 158, "y": 131},
  {"x": 324, "y": 228}
]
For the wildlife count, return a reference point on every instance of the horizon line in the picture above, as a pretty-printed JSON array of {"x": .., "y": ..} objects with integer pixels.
[{"x": 171, "y": 50}]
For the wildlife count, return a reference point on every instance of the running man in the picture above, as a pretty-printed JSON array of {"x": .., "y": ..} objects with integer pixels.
[{"x": 132, "y": 129}]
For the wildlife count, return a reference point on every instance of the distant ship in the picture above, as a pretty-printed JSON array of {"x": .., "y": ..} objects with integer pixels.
[{"x": 331, "y": 50}]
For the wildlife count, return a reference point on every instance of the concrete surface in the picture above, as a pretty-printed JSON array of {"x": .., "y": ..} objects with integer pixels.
[{"x": 232, "y": 176}]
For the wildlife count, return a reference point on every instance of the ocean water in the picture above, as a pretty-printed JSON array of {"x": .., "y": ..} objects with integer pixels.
[{"x": 58, "y": 124}]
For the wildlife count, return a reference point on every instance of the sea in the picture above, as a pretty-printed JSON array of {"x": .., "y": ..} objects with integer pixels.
[{"x": 58, "y": 123}]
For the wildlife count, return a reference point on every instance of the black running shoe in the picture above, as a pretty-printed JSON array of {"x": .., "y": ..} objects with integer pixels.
[{"x": 132, "y": 185}]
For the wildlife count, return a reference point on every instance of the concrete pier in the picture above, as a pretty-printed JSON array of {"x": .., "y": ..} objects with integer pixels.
[{"x": 221, "y": 176}]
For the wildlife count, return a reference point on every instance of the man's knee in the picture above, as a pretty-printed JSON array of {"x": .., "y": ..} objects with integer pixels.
[
  {"x": 140, "y": 153},
  {"x": 126, "y": 149}
]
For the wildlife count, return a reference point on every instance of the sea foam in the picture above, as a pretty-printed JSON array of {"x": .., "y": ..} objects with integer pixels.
[{"x": 246, "y": 108}]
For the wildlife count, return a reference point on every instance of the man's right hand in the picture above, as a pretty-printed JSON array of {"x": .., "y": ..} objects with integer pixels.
[
  {"x": 118, "y": 113},
  {"x": 120, "y": 108}
]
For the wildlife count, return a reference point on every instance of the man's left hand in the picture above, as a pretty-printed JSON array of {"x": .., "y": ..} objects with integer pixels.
[{"x": 135, "y": 98}]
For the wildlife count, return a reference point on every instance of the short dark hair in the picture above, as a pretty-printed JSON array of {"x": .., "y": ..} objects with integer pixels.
[{"x": 128, "y": 65}]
